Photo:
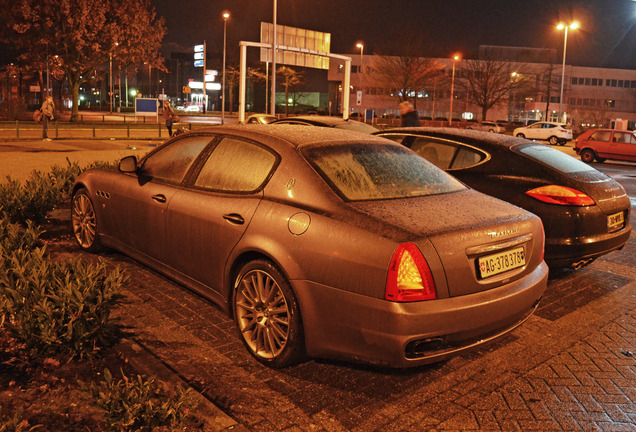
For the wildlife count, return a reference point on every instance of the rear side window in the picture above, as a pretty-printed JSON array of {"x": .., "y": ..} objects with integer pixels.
[
  {"x": 236, "y": 166},
  {"x": 601, "y": 136},
  {"x": 172, "y": 162},
  {"x": 624, "y": 138},
  {"x": 359, "y": 172},
  {"x": 553, "y": 158}
]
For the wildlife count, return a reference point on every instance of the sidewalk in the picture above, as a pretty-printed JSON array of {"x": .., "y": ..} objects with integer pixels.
[{"x": 21, "y": 157}]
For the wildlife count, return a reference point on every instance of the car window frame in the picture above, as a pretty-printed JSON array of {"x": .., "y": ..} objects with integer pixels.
[
  {"x": 188, "y": 172},
  {"x": 411, "y": 137},
  {"x": 196, "y": 168}
]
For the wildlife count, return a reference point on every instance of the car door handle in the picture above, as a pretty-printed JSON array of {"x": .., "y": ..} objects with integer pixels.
[
  {"x": 160, "y": 198},
  {"x": 234, "y": 218}
]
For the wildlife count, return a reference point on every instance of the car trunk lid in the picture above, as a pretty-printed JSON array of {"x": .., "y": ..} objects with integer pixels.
[{"x": 482, "y": 242}]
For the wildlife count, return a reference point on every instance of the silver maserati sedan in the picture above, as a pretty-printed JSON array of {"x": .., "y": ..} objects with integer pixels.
[{"x": 321, "y": 242}]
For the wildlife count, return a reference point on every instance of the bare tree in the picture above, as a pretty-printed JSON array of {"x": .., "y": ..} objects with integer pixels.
[
  {"x": 491, "y": 82},
  {"x": 407, "y": 71},
  {"x": 291, "y": 79}
]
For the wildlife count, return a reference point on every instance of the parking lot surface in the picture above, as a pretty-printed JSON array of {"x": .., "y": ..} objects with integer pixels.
[{"x": 571, "y": 366}]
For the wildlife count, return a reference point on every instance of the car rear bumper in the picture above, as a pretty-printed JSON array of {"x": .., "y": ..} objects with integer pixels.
[
  {"x": 339, "y": 324},
  {"x": 578, "y": 252}
]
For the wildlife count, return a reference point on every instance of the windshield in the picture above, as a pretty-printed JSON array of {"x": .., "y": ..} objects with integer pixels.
[
  {"x": 553, "y": 158},
  {"x": 374, "y": 171}
]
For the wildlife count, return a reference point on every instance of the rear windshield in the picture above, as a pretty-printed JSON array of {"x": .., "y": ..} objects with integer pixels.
[
  {"x": 359, "y": 172},
  {"x": 553, "y": 158}
]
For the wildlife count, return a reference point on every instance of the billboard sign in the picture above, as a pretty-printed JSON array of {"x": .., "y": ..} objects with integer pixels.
[{"x": 311, "y": 46}]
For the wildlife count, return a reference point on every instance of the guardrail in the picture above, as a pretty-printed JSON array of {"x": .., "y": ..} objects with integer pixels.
[{"x": 90, "y": 130}]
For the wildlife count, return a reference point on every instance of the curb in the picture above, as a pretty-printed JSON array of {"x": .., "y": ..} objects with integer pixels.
[{"x": 146, "y": 363}]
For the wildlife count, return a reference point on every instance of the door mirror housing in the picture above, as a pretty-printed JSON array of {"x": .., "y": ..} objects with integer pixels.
[{"x": 128, "y": 164}]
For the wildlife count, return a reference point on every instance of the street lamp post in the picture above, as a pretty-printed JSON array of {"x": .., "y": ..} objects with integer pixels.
[
  {"x": 562, "y": 26},
  {"x": 361, "y": 46},
  {"x": 450, "y": 107},
  {"x": 110, "y": 91},
  {"x": 273, "y": 92},
  {"x": 226, "y": 15}
]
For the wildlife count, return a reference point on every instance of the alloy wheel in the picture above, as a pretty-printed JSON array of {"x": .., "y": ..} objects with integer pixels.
[
  {"x": 84, "y": 221},
  {"x": 263, "y": 314}
]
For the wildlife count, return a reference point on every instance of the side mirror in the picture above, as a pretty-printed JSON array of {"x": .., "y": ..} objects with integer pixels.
[{"x": 128, "y": 164}]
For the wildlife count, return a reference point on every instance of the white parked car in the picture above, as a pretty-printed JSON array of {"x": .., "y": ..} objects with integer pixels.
[
  {"x": 487, "y": 126},
  {"x": 554, "y": 133}
]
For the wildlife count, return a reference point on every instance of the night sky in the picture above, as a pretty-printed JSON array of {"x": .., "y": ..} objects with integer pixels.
[{"x": 607, "y": 37}]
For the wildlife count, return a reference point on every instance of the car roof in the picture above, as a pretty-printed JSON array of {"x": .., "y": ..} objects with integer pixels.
[
  {"x": 317, "y": 119},
  {"x": 470, "y": 135},
  {"x": 294, "y": 135}
]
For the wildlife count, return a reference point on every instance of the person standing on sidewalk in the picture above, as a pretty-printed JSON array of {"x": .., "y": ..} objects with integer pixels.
[
  {"x": 168, "y": 114},
  {"x": 409, "y": 115},
  {"x": 48, "y": 110}
]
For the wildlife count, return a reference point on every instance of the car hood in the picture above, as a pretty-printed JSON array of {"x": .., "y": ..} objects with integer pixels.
[{"x": 463, "y": 227}]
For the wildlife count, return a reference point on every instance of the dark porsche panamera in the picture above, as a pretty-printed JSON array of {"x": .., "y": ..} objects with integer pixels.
[
  {"x": 321, "y": 242},
  {"x": 585, "y": 213}
]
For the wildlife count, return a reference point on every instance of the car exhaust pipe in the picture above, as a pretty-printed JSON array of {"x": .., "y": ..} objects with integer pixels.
[{"x": 582, "y": 263}]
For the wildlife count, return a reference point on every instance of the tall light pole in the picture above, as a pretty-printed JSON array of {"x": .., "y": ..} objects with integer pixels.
[
  {"x": 562, "y": 26},
  {"x": 273, "y": 92},
  {"x": 226, "y": 15},
  {"x": 361, "y": 46},
  {"x": 456, "y": 58},
  {"x": 111, "y": 93}
]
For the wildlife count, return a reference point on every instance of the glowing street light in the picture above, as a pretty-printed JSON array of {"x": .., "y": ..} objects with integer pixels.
[
  {"x": 361, "y": 46},
  {"x": 456, "y": 58},
  {"x": 226, "y": 16},
  {"x": 563, "y": 26}
]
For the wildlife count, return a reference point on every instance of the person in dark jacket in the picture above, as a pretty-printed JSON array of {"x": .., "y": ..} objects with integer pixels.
[{"x": 409, "y": 115}]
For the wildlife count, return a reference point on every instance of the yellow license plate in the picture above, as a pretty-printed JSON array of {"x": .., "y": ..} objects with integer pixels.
[
  {"x": 615, "y": 221},
  {"x": 501, "y": 262}
]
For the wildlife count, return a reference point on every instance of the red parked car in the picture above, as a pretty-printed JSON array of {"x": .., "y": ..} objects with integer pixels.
[{"x": 601, "y": 144}]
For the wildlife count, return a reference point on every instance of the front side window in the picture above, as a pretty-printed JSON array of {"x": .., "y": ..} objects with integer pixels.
[
  {"x": 172, "y": 162},
  {"x": 601, "y": 136},
  {"x": 360, "y": 172},
  {"x": 236, "y": 166}
]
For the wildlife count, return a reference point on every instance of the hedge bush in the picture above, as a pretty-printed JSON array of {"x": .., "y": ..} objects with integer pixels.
[{"x": 54, "y": 307}]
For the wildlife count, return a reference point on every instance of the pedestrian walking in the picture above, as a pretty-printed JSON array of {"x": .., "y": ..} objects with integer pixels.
[
  {"x": 48, "y": 111},
  {"x": 409, "y": 115},
  {"x": 169, "y": 115}
]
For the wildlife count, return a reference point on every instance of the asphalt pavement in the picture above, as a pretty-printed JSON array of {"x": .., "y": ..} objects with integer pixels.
[{"x": 571, "y": 366}]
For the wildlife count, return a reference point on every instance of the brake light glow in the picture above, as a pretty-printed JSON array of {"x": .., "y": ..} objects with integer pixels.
[
  {"x": 409, "y": 276},
  {"x": 562, "y": 195}
]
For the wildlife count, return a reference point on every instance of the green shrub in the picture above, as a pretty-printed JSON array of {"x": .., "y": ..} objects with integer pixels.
[
  {"x": 61, "y": 307},
  {"x": 140, "y": 404},
  {"x": 41, "y": 193},
  {"x": 31, "y": 202}
]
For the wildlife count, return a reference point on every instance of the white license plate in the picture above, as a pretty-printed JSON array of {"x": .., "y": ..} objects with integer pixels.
[
  {"x": 500, "y": 262},
  {"x": 615, "y": 221}
]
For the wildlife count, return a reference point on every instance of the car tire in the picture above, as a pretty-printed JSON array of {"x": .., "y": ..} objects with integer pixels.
[
  {"x": 520, "y": 135},
  {"x": 491, "y": 130},
  {"x": 587, "y": 155},
  {"x": 553, "y": 140},
  {"x": 84, "y": 221},
  {"x": 267, "y": 315}
]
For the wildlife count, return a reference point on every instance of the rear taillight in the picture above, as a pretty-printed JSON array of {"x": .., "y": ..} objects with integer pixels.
[
  {"x": 409, "y": 278},
  {"x": 554, "y": 194}
]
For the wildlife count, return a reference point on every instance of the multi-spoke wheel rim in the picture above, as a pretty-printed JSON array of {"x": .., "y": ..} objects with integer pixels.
[
  {"x": 84, "y": 224},
  {"x": 262, "y": 313}
]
